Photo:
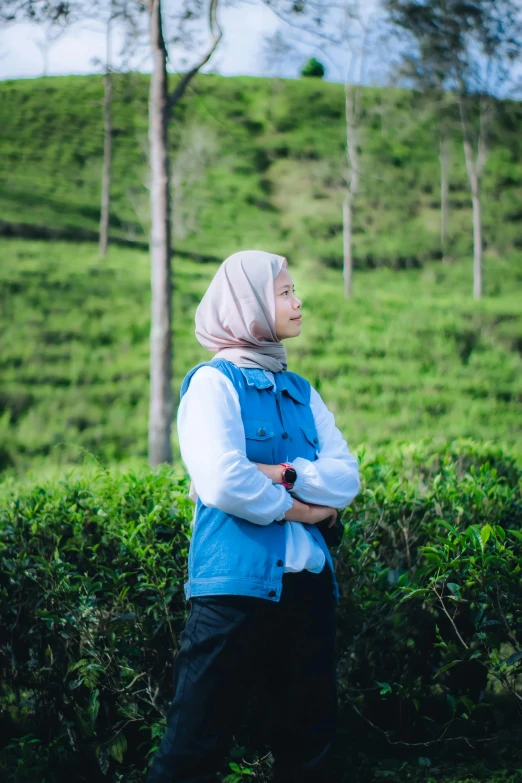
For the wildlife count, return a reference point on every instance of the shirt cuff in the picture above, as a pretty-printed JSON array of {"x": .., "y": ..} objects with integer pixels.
[
  {"x": 289, "y": 503},
  {"x": 302, "y": 467}
]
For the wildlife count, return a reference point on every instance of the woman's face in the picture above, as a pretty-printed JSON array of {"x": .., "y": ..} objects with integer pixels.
[{"x": 287, "y": 306}]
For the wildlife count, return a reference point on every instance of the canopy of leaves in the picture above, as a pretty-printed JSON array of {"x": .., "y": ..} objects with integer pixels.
[
  {"x": 463, "y": 43},
  {"x": 313, "y": 68}
]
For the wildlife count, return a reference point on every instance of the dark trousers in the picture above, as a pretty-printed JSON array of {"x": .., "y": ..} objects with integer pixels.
[{"x": 233, "y": 646}]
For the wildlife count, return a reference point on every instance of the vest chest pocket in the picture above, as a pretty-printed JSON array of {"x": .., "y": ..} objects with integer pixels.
[
  {"x": 310, "y": 435},
  {"x": 259, "y": 435}
]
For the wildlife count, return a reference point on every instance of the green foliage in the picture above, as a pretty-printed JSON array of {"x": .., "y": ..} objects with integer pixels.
[
  {"x": 91, "y": 583},
  {"x": 91, "y": 576},
  {"x": 432, "y": 613},
  {"x": 410, "y": 357},
  {"x": 271, "y": 173},
  {"x": 313, "y": 68}
]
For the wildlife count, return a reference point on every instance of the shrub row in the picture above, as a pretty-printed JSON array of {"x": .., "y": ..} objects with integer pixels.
[{"x": 91, "y": 584}]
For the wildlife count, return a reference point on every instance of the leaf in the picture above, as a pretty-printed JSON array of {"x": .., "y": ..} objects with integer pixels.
[
  {"x": 447, "y": 667},
  {"x": 385, "y": 688},
  {"x": 466, "y": 701},
  {"x": 501, "y": 533},
  {"x": 516, "y": 533},
  {"x": 485, "y": 533},
  {"x": 412, "y": 593},
  {"x": 118, "y": 747},
  {"x": 449, "y": 527},
  {"x": 453, "y": 588},
  {"x": 474, "y": 535},
  {"x": 514, "y": 658},
  {"x": 423, "y": 761}
]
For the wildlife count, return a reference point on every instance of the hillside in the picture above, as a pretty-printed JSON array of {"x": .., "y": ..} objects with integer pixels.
[
  {"x": 411, "y": 357},
  {"x": 257, "y": 163}
]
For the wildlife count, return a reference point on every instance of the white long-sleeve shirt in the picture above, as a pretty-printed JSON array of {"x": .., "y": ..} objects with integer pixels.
[{"x": 213, "y": 447}]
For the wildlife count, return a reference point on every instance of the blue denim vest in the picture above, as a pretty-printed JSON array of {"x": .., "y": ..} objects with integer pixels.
[{"x": 229, "y": 555}]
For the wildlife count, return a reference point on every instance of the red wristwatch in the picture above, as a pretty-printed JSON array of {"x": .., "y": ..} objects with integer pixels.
[{"x": 289, "y": 475}]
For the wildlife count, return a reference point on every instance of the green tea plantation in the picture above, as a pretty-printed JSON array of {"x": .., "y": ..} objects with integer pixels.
[{"x": 425, "y": 384}]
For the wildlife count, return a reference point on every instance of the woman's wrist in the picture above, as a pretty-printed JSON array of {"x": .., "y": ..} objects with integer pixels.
[
  {"x": 273, "y": 472},
  {"x": 298, "y": 512}
]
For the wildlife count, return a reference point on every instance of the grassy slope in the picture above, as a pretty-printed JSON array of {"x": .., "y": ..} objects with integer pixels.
[
  {"x": 410, "y": 357},
  {"x": 259, "y": 163}
]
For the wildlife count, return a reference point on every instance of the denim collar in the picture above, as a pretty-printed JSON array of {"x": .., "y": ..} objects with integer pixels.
[{"x": 283, "y": 382}]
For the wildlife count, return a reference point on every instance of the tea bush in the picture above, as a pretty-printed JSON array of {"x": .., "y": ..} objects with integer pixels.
[
  {"x": 91, "y": 584},
  {"x": 431, "y": 620}
]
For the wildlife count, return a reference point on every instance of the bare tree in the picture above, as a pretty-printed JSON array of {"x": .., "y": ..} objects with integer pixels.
[
  {"x": 342, "y": 31},
  {"x": 52, "y": 11},
  {"x": 125, "y": 14},
  {"x": 52, "y": 32},
  {"x": 162, "y": 101},
  {"x": 428, "y": 80},
  {"x": 355, "y": 31},
  {"x": 107, "y": 135},
  {"x": 470, "y": 45},
  {"x": 444, "y": 163}
]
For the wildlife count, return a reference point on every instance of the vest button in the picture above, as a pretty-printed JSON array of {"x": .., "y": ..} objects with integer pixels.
[
  {"x": 279, "y": 563},
  {"x": 261, "y": 431},
  {"x": 272, "y": 594},
  {"x": 285, "y": 435}
]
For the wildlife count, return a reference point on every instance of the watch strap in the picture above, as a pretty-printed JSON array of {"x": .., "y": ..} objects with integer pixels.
[{"x": 286, "y": 465}]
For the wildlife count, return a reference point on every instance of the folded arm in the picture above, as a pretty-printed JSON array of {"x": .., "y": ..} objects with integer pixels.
[
  {"x": 213, "y": 447},
  {"x": 333, "y": 478}
]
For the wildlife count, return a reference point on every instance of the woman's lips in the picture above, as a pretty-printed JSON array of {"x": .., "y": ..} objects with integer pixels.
[{"x": 297, "y": 318}]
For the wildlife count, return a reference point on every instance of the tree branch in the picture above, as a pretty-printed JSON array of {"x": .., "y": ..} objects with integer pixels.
[{"x": 217, "y": 34}]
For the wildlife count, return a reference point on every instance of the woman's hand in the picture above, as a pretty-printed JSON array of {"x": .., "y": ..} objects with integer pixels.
[{"x": 310, "y": 514}]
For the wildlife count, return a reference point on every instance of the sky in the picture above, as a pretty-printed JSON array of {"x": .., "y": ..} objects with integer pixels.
[{"x": 242, "y": 50}]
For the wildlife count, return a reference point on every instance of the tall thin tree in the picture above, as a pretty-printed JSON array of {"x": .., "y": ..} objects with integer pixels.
[
  {"x": 107, "y": 135},
  {"x": 355, "y": 27},
  {"x": 162, "y": 102},
  {"x": 471, "y": 45}
]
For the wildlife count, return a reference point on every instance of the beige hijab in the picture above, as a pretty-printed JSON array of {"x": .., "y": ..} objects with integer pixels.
[{"x": 236, "y": 317}]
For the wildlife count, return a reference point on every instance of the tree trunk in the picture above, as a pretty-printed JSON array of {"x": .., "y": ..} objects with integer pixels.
[
  {"x": 477, "y": 239},
  {"x": 475, "y": 169},
  {"x": 444, "y": 193},
  {"x": 347, "y": 245},
  {"x": 161, "y": 404},
  {"x": 352, "y": 113},
  {"x": 107, "y": 162}
]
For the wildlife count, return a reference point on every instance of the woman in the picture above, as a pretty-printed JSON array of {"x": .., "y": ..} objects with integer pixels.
[{"x": 267, "y": 464}]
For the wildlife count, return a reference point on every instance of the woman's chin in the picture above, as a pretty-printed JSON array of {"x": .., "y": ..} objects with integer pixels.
[{"x": 294, "y": 329}]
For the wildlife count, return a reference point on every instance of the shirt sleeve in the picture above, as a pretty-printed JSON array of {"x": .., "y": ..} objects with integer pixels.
[
  {"x": 213, "y": 447},
  {"x": 333, "y": 479}
]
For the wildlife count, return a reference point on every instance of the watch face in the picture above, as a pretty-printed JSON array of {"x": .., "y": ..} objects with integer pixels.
[{"x": 290, "y": 476}]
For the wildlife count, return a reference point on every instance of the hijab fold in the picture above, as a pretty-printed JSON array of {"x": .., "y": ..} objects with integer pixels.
[{"x": 236, "y": 317}]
